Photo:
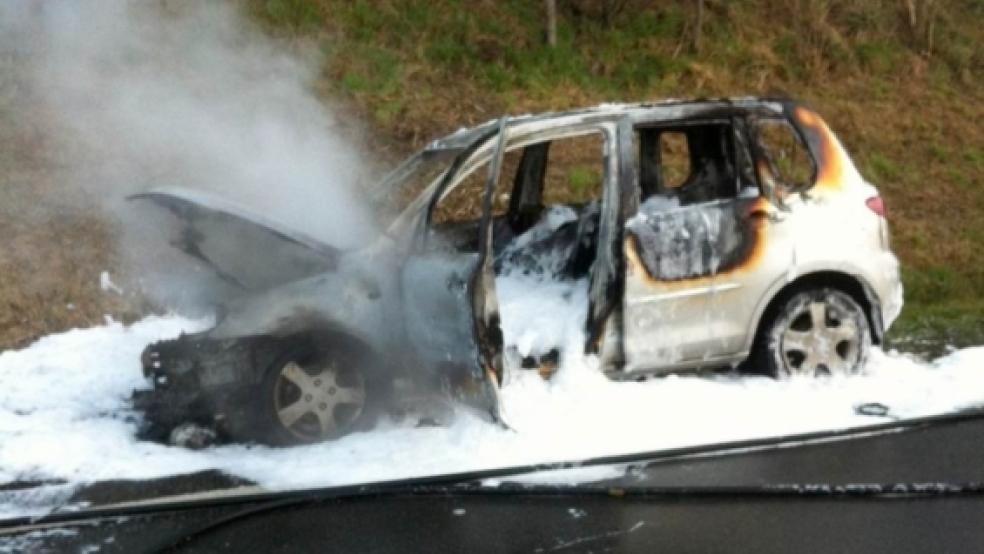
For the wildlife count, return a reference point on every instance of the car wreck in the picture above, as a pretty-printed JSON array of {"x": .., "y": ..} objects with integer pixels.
[{"x": 708, "y": 234}]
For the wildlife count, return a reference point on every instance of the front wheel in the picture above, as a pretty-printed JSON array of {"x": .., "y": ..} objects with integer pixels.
[
  {"x": 311, "y": 396},
  {"x": 814, "y": 332}
]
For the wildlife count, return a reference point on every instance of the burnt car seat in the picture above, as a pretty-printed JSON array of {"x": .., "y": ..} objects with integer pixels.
[{"x": 563, "y": 248}]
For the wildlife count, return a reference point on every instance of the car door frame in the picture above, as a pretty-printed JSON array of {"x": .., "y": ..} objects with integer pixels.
[
  {"x": 632, "y": 191},
  {"x": 604, "y": 286},
  {"x": 603, "y": 326},
  {"x": 475, "y": 377},
  {"x": 604, "y": 283}
]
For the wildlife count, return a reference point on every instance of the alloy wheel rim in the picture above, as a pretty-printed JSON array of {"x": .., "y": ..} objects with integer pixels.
[
  {"x": 317, "y": 401},
  {"x": 821, "y": 337}
]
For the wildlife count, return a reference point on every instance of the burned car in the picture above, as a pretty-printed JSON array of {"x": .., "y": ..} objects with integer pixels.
[{"x": 707, "y": 234}]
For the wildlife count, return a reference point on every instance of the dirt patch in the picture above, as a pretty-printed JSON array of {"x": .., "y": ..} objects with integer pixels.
[{"x": 50, "y": 271}]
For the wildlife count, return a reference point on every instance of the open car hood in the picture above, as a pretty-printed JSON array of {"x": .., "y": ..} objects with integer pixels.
[{"x": 243, "y": 249}]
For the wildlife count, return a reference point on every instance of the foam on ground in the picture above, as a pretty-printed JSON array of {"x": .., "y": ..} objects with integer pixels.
[{"x": 64, "y": 416}]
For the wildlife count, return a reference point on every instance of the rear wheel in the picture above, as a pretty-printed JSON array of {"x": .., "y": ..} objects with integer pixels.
[
  {"x": 814, "y": 332},
  {"x": 310, "y": 395}
]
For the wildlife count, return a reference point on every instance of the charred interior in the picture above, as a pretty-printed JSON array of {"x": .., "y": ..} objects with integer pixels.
[
  {"x": 533, "y": 231},
  {"x": 696, "y": 183}
]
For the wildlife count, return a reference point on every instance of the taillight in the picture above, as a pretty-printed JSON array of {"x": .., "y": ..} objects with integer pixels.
[{"x": 876, "y": 204}]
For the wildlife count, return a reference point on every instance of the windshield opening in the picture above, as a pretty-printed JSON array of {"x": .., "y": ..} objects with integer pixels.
[{"x": 402, "y": 190}]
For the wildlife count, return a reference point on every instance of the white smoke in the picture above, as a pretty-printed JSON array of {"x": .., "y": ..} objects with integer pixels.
[{"x": 141, "y": 94}]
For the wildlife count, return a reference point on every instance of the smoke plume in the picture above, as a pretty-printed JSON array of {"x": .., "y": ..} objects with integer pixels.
[{"x": 133, "y": 95}]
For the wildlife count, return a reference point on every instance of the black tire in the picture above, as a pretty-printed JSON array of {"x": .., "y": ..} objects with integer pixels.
[
  {"x": 327, "y": 392},
  {"x": 812, "y": 332}
]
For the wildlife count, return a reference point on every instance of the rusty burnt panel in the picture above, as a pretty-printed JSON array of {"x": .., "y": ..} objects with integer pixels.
[
  {"x": 547, "y": 369},
  {"x": 752, "y": 252},
  {"x": 597, "y": 336},
  {"x": 824, "y": 147}
]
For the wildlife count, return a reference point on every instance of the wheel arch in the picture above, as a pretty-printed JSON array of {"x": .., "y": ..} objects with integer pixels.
[
  {"x": 322, "y": 334},
  {"x": 851, "y": 284}
]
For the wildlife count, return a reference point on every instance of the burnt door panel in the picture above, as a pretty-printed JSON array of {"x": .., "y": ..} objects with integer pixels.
[
  {"x": 438, "y": 311},
  {"x": 605, "y": 286},
  {"x": 485, "y": 304},
  {"x": 668, "y": 277},
  {"x": 679, "y": 244},
  {"x": 677, "y": 259},
  {"x": 451, "y": 312}
]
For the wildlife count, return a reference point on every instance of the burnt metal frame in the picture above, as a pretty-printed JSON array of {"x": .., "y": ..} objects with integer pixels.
[
  {"x": 622, "y": 195},
  {"x": 605, "y": 283}
]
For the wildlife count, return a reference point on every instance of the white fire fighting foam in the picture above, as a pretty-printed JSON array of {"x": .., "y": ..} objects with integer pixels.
[{"x": 64, "y": 415}]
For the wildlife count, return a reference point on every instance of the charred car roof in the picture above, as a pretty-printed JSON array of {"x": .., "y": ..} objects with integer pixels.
[{"x": 667, "y": 110}]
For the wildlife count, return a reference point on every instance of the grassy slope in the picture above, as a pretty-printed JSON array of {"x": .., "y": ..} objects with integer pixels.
[
  {"x": 416, "y": 69},
  {"x": 907, "y": 107},
  {"x": 53, "y": 248}
]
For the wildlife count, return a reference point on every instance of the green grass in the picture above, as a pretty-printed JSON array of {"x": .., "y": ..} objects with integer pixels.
[
  {"x": 929, "y": 285},
  {"x": 881, "y": 167},
  {"x": 417, "y": 69},
  {"x": 413, "y": 70},
  {"x": 974, "y": 157},
  {"x": 583, "y": 179},
  {"x": 879, "y": 56},
  {"x": 931, "y": 328},
  {"x": 293, "y": 15}
]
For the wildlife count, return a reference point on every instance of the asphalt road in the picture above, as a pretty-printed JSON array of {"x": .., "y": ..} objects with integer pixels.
[{"x": 912, "y": 488}]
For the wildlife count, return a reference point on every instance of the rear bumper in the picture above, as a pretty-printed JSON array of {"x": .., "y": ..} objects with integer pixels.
[{"x": 886, "y": 283}]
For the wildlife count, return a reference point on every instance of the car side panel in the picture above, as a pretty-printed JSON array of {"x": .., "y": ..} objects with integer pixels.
[{"x": 437, "y": 308}]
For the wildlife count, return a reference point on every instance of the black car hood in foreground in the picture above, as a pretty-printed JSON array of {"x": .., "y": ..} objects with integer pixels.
[{"x": 910, "y": 486}]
